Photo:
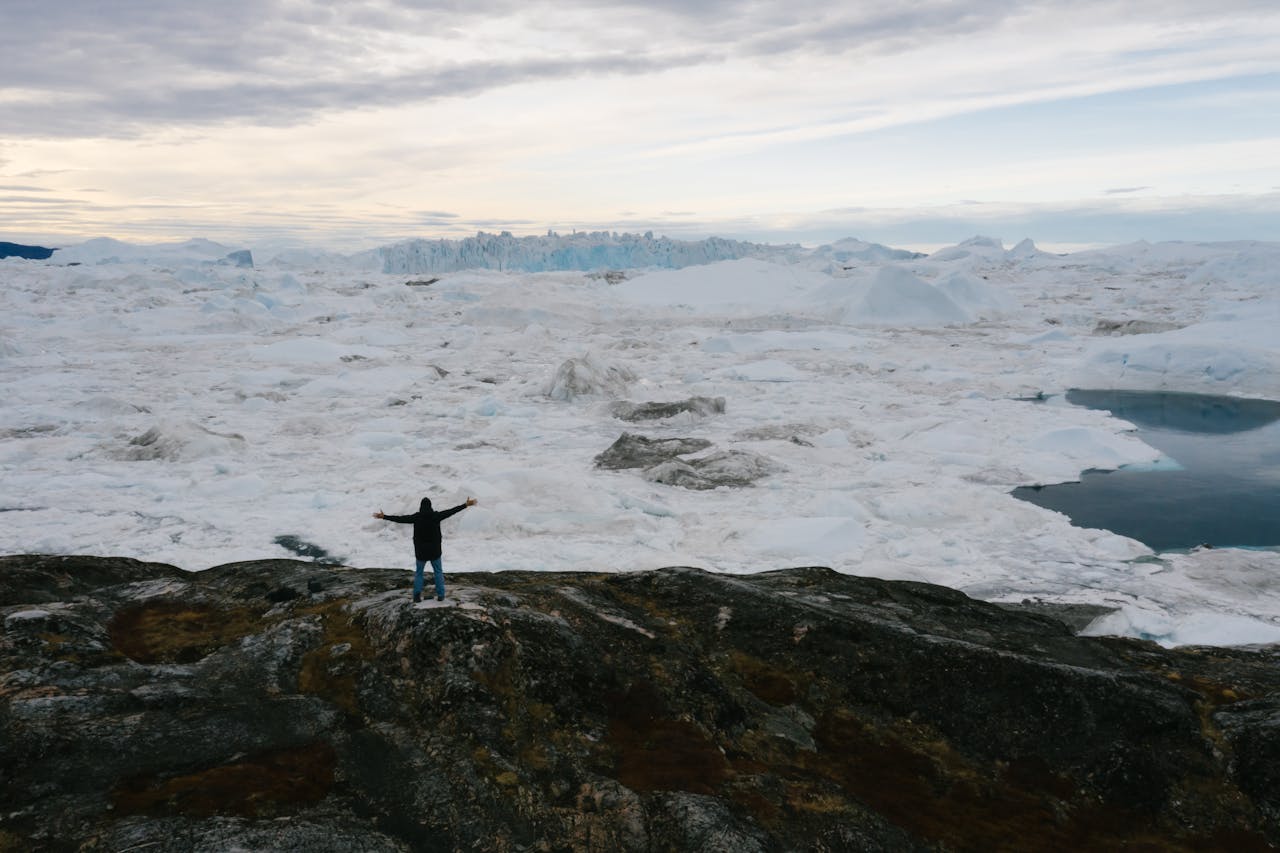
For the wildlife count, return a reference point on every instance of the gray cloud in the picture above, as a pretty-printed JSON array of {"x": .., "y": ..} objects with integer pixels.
[
  {"x": 129, "y": 108},
  {"x": 1124, "y": 190},
  {"x": 111, "y": 69},
  {"x": 40, "y": 173},
  {"x": 27, "y": 199},
  {"x": 89, "y": 68},
  {"x": 838, "y": 29},
  {"x": 499, "y": 224}
]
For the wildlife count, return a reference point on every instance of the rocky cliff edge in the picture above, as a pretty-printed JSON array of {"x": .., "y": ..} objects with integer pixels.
[{"x": 281, "y": 705}]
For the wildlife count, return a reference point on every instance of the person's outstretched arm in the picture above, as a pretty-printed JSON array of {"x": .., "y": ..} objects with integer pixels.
[
  {"x": 459, "y": 508},
  {"x": 401, "y": 519}
]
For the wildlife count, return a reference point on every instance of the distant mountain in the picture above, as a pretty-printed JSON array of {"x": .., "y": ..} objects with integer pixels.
[
  {"x": 17, "y": 250},
  {"x": 108, "y": 250},
  {"x": 580, "y": 251},
  {"x": 195, "y": 252}
]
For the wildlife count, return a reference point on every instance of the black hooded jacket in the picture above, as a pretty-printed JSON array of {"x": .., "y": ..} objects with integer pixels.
[{"x": 426, "y": 528}]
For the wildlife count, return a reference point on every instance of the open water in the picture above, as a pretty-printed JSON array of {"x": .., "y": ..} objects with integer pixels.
[{"x": 1219, "y": 485}]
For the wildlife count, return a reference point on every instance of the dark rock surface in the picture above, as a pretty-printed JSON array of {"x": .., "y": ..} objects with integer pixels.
[
  {"x": 1132, "y": 327},
  {"x": 282, "y": 705},
  {"x": 732, "y": 468},
  {"x": 627, "y": 411},
  {"x": 637, "y": 451},
  {"x": 660, "y": 459}
]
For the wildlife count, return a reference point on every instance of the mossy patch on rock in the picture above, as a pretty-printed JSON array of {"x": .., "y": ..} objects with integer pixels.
[
  {"x": 768, "y": 682},
  {"x": 655, "y": 751},
  {"x": 269, "y": 783},
  {"x": 332, "y": 669},
  {"x": 168, "y": 631}
]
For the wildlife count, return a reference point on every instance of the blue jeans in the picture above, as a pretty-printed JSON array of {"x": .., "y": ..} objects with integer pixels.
[{"x": 437, "y": 568}]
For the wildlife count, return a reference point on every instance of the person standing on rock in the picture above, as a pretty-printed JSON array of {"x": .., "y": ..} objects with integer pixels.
[{"x": 427, "y": 541}]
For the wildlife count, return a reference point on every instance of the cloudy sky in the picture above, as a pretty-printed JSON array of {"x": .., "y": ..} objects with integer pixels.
[{"x": 918, "y": 122}]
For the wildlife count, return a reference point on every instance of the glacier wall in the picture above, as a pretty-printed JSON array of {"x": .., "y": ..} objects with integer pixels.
[{"x": 597, "y": 250}]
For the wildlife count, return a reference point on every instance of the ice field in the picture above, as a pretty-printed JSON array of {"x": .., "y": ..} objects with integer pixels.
[{"x": 171, "y": 408}]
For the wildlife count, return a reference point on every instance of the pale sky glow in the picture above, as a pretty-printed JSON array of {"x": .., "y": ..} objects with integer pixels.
[{"x": 359, "y": 123}]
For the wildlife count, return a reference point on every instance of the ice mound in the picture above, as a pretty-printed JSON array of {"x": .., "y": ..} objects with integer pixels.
[
  {"x": 1059, "y": 455},
  {"x": 1085, "y": 444},
  {"x": 1204, "y": 628},
  {"x": 179, "y": 441},
  {"x": 1259, "y": 267},
  {"x": 985, "y": 248},
  {"x": 589, "y": 376},
  {"x": 1218, "y": 357},
  {"x": 1026, "y": 250},
  {"x": 850, "y": 252},
  {"x": 977, "y": 296},
  {"x": 898, "y": 298}
]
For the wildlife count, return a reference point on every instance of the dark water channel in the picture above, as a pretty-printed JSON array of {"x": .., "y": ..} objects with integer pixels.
[{"x": 1222, "y": 490}]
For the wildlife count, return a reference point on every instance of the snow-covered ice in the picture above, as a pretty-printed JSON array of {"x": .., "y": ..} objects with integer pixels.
[{"x": 170, "y": 405}]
